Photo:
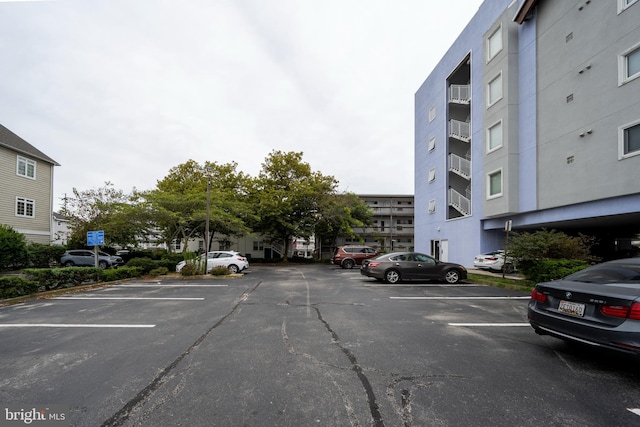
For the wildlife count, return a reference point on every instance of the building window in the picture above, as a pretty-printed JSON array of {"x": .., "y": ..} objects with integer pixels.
[
  {"x": 432, "y": 206},
  {"x": 432, "y": 175},
  {"x": 494, "y": 184},
  {"x": 25, "y": 207},
  {"x": 494, "y": 137},
  {"x": 432, "y": 144},
  {"x": 624, "y": 4},
  {"x": 629, "y": 136},
  {"x": 258, "y": 246},
  {"x": 494, "y": 90},
  {"x": 432, "y": 114},
  {"x": 26, "y": 168},
  {"x": 629, "y": 65},
  {"x": 494, "y": 44}
]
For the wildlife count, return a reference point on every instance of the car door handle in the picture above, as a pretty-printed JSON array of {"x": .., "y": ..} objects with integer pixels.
[{"x": 419, "y": 265}]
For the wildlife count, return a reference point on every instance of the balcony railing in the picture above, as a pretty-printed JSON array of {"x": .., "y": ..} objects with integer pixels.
[
  {"x": 460, "y": 166},
  {"x": 460, "y": 94},
  {"x": 461, "y": 203},
  {"x": 460, "y": 130}
]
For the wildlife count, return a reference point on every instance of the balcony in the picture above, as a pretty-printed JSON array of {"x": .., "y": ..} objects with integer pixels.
[
  {"x": 460, "y": 94},
  {"x": 459, "y": 202},
  {"x": 460, "y": 130},
  {"x": 460, "y": 166}
]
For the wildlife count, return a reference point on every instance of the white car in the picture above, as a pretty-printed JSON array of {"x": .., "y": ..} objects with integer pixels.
[
  {"x": 234, "y": 261},
  {"x": 493, "y": 261}
]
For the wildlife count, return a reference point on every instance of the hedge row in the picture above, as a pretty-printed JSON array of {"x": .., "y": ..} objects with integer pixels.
[
  {"x": 36, "y": 280},
  {"x": 546, "y": 270}
]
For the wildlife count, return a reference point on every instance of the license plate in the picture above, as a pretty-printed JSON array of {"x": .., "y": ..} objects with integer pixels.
[{"x": 572, "y": 308}]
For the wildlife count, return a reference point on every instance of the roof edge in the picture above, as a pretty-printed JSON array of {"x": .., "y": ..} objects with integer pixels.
[{"x": 524, "y": 10}]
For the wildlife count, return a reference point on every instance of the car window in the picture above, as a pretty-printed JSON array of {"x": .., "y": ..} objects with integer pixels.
[
  {"x": 370, "y": 251},
  {"x": 607, "y": 274},
  {"x": 424, "y": 258},
  {"x": 223, "y": 255}
]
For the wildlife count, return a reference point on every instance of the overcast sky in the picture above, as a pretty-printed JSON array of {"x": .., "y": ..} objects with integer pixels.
[{"x": 124, "y": 90}]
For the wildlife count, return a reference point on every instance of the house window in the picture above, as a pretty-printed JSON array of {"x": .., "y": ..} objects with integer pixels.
[
  {"x": 432, "y": 175},
  {"x": 25, "y": 207},
  {"x": 494, "y": 44},
  {"x": 432, "y": 206},
  {"x": 494, "y": 137},
  {"x": 26, "y": 168},
  {"x": 494, "y": 90},
  {"x": 629, "y": 137},
  {"x": 494, "y": 184},
  {"x": 432, "y": 144},
  {"x": 432, "y": 114},
  {"x": 629, "y": 65},
  {"x": 258, "y": 246}
]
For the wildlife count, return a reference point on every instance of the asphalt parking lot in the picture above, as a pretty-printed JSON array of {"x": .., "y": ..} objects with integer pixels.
[{"x": 304, "y": 345}]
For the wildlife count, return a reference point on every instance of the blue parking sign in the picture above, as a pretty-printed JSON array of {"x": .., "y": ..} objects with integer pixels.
[{"x": 95, "y": 238}]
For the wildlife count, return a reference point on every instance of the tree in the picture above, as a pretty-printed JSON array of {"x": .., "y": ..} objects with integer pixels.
[
  {"x": 340, "y": 216},
  {"x": 178, "y": 203},
  {"x": 288, "y": 198},
  {"x": 108, "y": 209},
  {"x": 13, "y": 248}
]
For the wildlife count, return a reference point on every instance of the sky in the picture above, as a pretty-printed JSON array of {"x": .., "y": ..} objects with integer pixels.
[{"x": 121, "y": 91}]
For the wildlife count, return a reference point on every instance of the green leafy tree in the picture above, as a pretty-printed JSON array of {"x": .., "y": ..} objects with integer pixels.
[
  {"x": 119, "y": 214},
  {"x": 179, "y": 201},
  {"x": 289, "y": 198},
  {"x": 13, "y": 248},
  {"x": 340, "y": 215}
]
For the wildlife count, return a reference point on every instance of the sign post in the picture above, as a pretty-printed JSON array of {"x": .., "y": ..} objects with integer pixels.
[{"x": 95, "y": 239}]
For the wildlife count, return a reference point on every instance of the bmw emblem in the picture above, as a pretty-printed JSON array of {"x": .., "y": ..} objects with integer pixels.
[{"x": 568, "y": 295}]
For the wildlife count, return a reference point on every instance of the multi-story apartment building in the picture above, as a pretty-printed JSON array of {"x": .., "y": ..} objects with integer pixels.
[
  {"x": 392, "y": 228},
  {"x": 26, "y": 188},
  {"x": 533, "y": 117}
]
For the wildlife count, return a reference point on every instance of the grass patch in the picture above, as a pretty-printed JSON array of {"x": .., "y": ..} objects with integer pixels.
[{"x": 499, "y": 282}]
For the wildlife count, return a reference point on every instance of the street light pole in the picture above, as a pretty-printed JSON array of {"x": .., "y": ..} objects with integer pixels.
[{"x": 206, "y": 225}]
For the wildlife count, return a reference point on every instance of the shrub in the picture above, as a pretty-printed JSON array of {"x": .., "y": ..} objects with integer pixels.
[
  {"x": 55, "y": 278},
  {"x": 189, "y": 270},
  {"x": 14, "y": 286},
  {"x": 159, "y": 271},
  {"x": 219, "y": 271},
  {"x": 43, "y": 256},
  {"x": 145, "y": 264},
  {"x": 550, "y": 269},
  {"x": 13, "y": 248},
  {"x": 114, "y": 274}
]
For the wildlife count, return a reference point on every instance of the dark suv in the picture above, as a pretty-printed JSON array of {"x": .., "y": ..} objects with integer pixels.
[{"x": 350, "y": 255}]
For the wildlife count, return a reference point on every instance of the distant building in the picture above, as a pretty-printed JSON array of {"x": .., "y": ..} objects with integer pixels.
[
  {"x": 26, "y": 192},
  {"x": 60, "y": 229},
  {"x": 533, "y": 117},
  {"x": 392, "y": 228}
]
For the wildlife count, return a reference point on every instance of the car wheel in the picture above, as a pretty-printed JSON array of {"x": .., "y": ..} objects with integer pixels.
[
  {"x": 392, "y": 276},
  {"x": 69, "y": 264},
  {"x": 233, "y": 268},
  {"x": 103, "y": 264},
  {"x": 452, "y": 276},
  {"x": 348, "y": 263}
]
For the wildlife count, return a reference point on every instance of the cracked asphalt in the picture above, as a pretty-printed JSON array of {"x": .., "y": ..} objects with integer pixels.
[{"x": 308, "y": 345}]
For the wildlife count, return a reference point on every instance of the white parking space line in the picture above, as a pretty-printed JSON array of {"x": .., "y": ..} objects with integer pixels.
[
  {"x": 160, "y": 285},
  {"x": 634, "y": 410},
  {"x": 488, "y": 324},
  {"x": 68, "y": 325},
  {"x": 460, "y": 298},
  {"x": 131, "y": 298}
]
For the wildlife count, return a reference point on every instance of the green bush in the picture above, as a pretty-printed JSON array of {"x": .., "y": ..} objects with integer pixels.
[
  {"x": 550, "y": 269},
  {"x": 146, "y": 264},
  {"x": 219, "y": 271},
  {"x": 14, "y": 286},
  {"x": 44, "y": 256},
  {"x": 114, "y": 274},
  {"x": 159, "y": 271},
  {"x": 13, "y": 248},
  {"x": 189, "y": 270}
]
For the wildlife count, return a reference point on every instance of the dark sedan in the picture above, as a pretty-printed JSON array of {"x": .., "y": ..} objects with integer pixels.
[
  {"x": 599, "y": 306},
  {"x": 399, "y": 266}
]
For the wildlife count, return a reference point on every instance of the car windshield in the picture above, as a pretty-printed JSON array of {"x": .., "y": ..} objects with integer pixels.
[{"x": 607, "y": 274}]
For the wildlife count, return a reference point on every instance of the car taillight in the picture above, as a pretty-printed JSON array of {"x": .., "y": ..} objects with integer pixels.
[
  {"x": 538, "y": 296},
  {"x": 615, "y": 310},
  {"x": 632, "y": 312},
  {"x": 491, "y": 258},
  {"x": 373, "y": 264}
]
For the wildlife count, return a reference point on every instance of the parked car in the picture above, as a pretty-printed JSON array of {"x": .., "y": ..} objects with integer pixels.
[
  {"x": 86, "y": 258},
  {"x": 399, "y": 266},
  {"x": 493, "y": 261},
  {"x": 599, "y": 306},
  {"x": 234, "y": 261},
  {"x": 349, "y": 255}
]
